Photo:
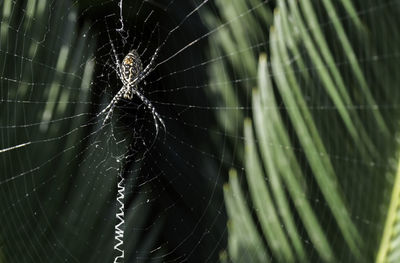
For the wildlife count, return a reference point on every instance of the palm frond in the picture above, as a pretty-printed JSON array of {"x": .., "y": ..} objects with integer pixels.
[{"x": 323, "y": 136}]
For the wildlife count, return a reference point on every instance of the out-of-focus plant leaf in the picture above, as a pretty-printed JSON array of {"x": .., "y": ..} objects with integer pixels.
[{"x": 319, "y": 156}]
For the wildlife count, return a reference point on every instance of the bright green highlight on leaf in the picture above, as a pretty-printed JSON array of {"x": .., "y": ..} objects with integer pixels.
[{"x": 389, "y": 247}]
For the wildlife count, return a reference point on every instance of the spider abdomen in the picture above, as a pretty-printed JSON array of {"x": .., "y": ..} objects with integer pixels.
[
  {"x": 130, "y": 70},
  {"x": 131, "y": 67}
]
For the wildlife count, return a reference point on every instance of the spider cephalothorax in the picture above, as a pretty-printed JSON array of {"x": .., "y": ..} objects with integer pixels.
[{"x": 131, "y": 73}]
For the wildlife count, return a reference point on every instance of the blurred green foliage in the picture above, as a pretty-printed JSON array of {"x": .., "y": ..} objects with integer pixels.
[{"x": 320, "y": 157}]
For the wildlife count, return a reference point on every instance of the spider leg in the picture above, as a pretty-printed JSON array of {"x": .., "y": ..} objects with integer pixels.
[
  {"x": 157, "y": 118},
  {"x": 108, "y": 116},
  {"x": 151, "y": 63},
  {"x": 110, "y": 107},
  {"x": 117, "y": 62},
  {"x": 149, "y": 40}
]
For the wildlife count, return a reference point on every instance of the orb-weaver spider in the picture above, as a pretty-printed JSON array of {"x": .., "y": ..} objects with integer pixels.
[{"x": 131, "y": 73}]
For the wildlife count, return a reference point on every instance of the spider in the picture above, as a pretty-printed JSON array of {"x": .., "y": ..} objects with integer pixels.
[{"x": 131, "y": 73}]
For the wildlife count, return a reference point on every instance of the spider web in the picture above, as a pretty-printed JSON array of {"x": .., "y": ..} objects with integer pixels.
[{"x": 62, "y": 169}]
